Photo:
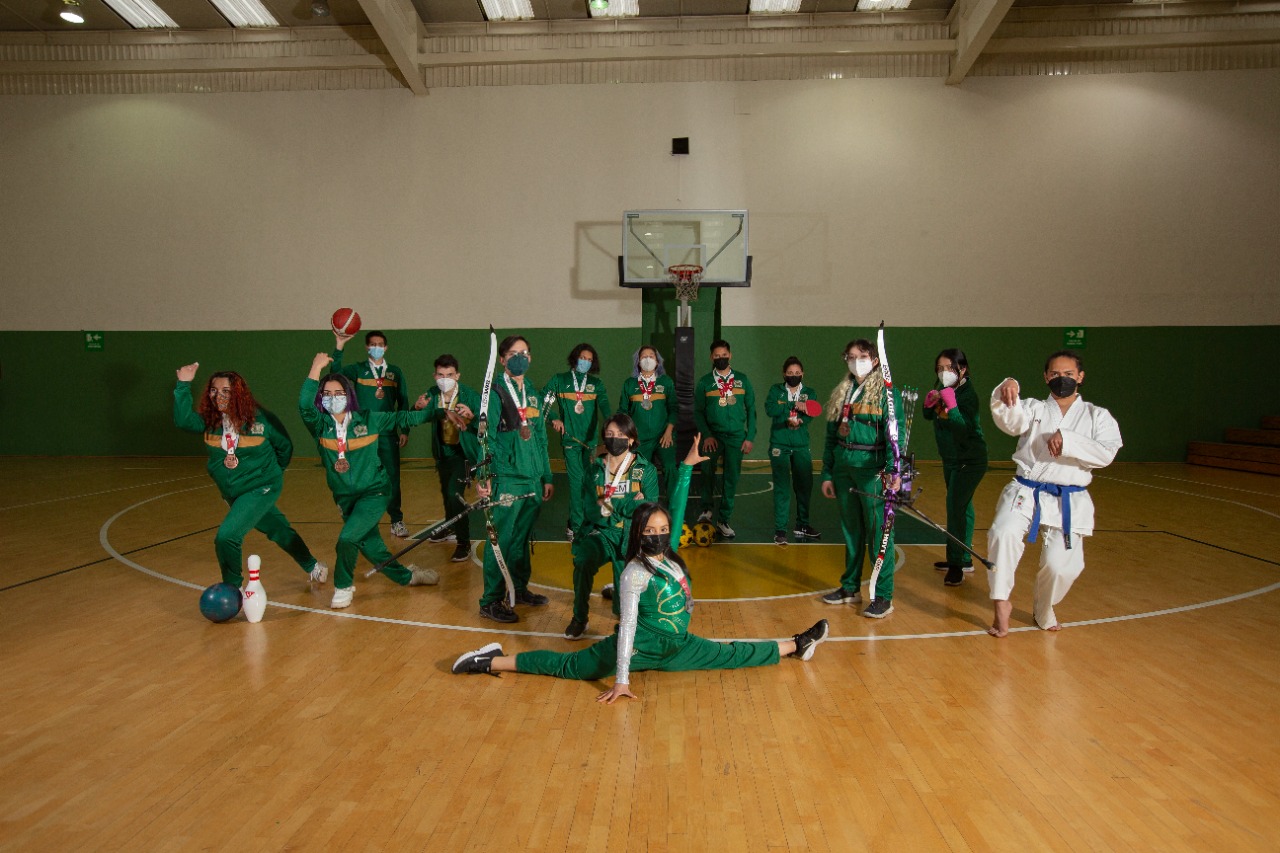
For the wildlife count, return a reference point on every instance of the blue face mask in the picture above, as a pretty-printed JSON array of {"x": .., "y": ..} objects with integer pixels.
[
  {"x": 584, "y": 365},
  {"x": 334, "y": 405},
  {"x": 376, "y": 353},
  {"x": 518, "y": 363}
]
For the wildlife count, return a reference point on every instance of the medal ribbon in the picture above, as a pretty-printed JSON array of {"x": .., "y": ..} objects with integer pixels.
[
  {"x": 230, "y": 436},
  {"x": 523, "y": 398},
  {"x": 847, "y": 408},
  {"x": 340, "y": 428},
  {"x": 726, "y": 385},
  {"x": 378, "y": 377},
  {"x": 616, "y": 485},
  {"x": 577, "y": 392},
  {"x": 647, "y": 390}
]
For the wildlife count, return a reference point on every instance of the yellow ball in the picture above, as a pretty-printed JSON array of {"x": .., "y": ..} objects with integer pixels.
[
  {"x": 686, "y": 536},
  {"x": 704, "y": 533}
]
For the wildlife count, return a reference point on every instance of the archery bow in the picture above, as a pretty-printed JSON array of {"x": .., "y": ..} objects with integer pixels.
[
  {"x": 895, "y": 484},
  {"x": 482, "y": 433},
  {"x": 425, "y": 534}
]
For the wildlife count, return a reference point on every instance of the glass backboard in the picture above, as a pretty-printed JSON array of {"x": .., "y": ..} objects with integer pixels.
[{"x": 653, "y": 240}]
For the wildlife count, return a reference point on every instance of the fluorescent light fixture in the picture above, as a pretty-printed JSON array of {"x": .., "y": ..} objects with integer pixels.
[
  {"x": 319, "y": 8},
  {"x": 774, "y": 7},
  {"x": 142, "y": 14},
  {"x": 614, "y": 8},
  {"x": 72, "y": 12},
  {"x": 507, "y": 10},
  {"x": 882, "y": 5},
  {"x": 245, "y": 13}
]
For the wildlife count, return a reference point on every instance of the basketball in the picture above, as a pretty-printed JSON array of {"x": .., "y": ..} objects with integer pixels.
[
  {"x": 345, "y": 321},
  {"x": 686, "y": 536},
  {"x": 704, "y": 533},
  {"x": 220, "y": 602}
]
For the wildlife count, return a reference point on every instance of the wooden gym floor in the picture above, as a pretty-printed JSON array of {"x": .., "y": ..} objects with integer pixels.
[{"x": 131, "y": 723}]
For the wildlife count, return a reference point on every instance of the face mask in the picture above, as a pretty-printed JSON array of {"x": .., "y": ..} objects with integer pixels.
[
  {"x": 654, "y": 544},
  {"x": 794, "y": 381},
  {"x": 948, "y": 378},
  {"x": 648, "y": 365},
  {"x": 617, "y": 446},
  {"x": 1062, "y": 386},
  {"x": 334, "y": 405},
  {"x": 861, "y": 367},
  {"x": 721, "y": 363},
  {"x": 376, "y": 353},
  {"x": 584, "y": 365},
  {"x": 446, "y": 384},
  {"x": 518, "y": 364}
]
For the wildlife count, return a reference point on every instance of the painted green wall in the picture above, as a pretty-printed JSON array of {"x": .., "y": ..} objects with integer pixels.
[{"x": 1165, "y": 385}]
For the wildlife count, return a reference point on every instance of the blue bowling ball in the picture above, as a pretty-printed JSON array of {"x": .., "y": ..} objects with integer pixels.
[{"x": 220, "y": 602}]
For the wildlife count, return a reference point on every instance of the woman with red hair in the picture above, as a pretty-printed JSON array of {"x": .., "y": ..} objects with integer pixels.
[{"x": 248, "y": 451}]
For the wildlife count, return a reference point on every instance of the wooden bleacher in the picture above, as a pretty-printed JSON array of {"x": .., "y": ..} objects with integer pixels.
[{"x": 1256, "y": 450}]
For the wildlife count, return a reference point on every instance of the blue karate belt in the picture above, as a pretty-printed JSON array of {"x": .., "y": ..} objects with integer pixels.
[{"x": 1063, "y": 493}]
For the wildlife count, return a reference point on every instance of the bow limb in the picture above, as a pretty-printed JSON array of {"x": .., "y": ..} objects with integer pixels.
[{"x": 482, "y": 433}]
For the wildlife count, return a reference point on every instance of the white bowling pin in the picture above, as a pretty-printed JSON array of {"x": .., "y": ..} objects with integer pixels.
[{"x": 255, "y": 597}]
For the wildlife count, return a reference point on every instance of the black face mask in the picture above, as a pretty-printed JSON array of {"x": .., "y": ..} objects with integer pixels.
[
  {"x": 794, "y": 381},
  {"x": 617, "y": 446},
  {"x": 721, "y": 363},
  {"x": 1062, "y": 386},
  {"x": 654, "y": 544}
]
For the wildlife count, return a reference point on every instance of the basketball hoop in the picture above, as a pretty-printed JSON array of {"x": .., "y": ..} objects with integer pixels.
[{"x": 685, "y": 278}]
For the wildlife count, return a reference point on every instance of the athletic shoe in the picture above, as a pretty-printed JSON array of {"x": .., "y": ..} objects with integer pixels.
[
  {"x": 461, "y": 553},
  {"x": 319, "y": 572},
  {"x": 942, "y": 566},
  {"x": 531, "y": 599},
  {"x": 342, "y": 598},
  {"x": 607, "y": 592},
  {"x": 879, "y": 608},
  {"x": 705, "y": 515},
  {"x": 479, "y": 661},
  {"x": 955, "y": 576},
  {"x": 399, "y": 530},
  {"x": 422, "y": 577},
  {"x": 575, "y": 630},
  {"x": 499, "y": 612},
  {"x": 807, "y": 642},
  {"x": 725, "y": 530},
  {"x": 968, "y": 570},
  {"x": 779, "y": 537},
  {"x": 804, "y": 531},
  {"x": 445, "y": 535},
  {"x": 840, "y": 596}
]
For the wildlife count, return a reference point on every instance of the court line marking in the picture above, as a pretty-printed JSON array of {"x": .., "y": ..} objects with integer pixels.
[
  {"x": 1216, "y": 486},
  {"x": 1186, "y": 608},
  {"x": 1191, "y": 494},
  {"x": 103, "y": 492}
]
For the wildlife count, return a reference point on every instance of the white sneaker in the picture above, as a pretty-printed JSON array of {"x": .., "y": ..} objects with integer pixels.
[
  {"x": 342, "y": 598},
  {"x": 705, "y": 515},
  {"x": 399, "y": 530},
  {"x": 968, "y": 570},
  {"x": 725, "y": 530},
  {"x": 319, "y": 572},
  {"x": 422, "y": 577}
]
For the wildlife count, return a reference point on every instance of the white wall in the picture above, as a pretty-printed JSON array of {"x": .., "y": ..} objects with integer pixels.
[{"x": 1147, "y": 199}]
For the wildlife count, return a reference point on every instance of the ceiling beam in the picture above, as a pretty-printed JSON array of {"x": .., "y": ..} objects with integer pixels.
[
  {"x": 398, "y": 25},
  {"x": 179, "y": 66},
  {"x": 974, "y": 25},
  {"x": 1069, "y": 44}
]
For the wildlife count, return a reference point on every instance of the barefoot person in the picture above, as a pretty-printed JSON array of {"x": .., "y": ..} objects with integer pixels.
[
  {"x": 248, "y": 451},
  {"x": 1060, "y": 441},
  {"x": 656, "y": 609}
]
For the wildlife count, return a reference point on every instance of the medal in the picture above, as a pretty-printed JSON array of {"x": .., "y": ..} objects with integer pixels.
[
  {"x": 611, "y": 489},
  {"x": 231, "y": 460},
  {"x": 843, "y": 430},
  {"x": 729, "y": 401},
  {"x": 525, "y": 432},
  {"x": 605, "y": 509},
  {"x": 578, "y": 408},
  {"x": 723, "y": 402},
  {"x": 523, "y": 404},
  {"x": 378, "y": 378},
  {"x": 646, "y": 405},
  {"x": 379, "y": 393},
  {"x": 726, "y": 389},
  {"x": 342, "y": 466},
  {"x": 230, "y": 441}
]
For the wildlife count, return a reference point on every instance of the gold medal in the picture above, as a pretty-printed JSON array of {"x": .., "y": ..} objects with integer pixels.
[
  {"x": 525, "y": 432},
  {"x": 843, "y": 430},
  {"x": 342, "y": 466},
  {"x": 231, "y": 461},
  {"x": 723, "y": 401},
  {"x": 578, "y": 408},
  {"x": 379, "y": 394}
]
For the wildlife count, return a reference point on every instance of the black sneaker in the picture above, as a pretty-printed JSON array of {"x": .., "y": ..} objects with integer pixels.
[
  {"x": 942, "y": 566},
  {"x": 462, "y": 553},
  {"x": 804, "y": 531},
  {"x": 575, "y": 630},
  {"x": 445, "y": 535},
  {"x": 531, "y": 599},
  {"x": 879, "y": 608},
  {"x": 498, "y": 611},
  {"x": 807, "y": 642},
  {"x": 841, "y": 596},
  {"x": 955, "y": 576},
  {"x": 780, "y": 537},
  {"x": 479, "y": 661},
  {"x": 607, "y": 592}
]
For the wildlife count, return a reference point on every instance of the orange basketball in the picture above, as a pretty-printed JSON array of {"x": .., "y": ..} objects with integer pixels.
[{"x": 345, "y": 321}]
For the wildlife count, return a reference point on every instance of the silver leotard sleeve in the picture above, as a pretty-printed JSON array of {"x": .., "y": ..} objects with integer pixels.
[{"x": 635, "y": 578}]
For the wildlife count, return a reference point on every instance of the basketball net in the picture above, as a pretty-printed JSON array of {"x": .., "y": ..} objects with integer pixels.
[{"x": 685, "y": 278}]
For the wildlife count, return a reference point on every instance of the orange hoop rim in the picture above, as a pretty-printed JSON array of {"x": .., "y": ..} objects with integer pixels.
[{"x": 684, "y": 272}]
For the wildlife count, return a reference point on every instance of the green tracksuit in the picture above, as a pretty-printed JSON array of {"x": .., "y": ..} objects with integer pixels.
[
  {"x": 579, "y": 440},
  {"x": 730, "y": 419},
  {"x": 857, "y": 461},
  {"x": 652, "y": 422},
  {"x": 662, "y": 640},
  {"x": 251, "y": 488},
  {"x": 390, "y": 380},
  {"x": 520, "y": 466},
  {"x": 603, "y": 539},
  {"x": 789, "y": 454},
  {"x": 363, "y": 491},
  {"x": 451, "y": 458},
  {"x": 963, "y": 449}
]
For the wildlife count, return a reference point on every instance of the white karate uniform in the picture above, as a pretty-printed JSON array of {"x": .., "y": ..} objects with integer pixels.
[{"x": 1090, "y": 439}]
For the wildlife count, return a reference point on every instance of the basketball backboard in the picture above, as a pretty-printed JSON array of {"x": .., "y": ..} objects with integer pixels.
[{"x": 653, "y": 240}]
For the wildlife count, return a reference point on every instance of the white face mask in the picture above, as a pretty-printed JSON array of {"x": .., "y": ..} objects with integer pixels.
[
  {"x": 446, "y": 384},
  {"x": 947, "y": 378},
  {"x": 648, "y": 365},
  {"x": 861, "y": 367},
  {"x": 334, "y": 405}
]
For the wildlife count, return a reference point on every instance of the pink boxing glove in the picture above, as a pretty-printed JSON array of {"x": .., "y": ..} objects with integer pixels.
[
  {"x": 931, "y": 399},
  {"x": 948, "y": 396}
]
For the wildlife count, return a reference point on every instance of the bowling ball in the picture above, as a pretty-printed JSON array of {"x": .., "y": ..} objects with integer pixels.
[
  {"x": 704, "y": 533},
  {"x": 686, "y": 536},
  {"x": 220, "y": 602}
]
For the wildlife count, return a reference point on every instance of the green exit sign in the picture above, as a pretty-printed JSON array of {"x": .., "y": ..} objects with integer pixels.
[
  {"x": 1073, "y": 337},
  {"x": 93, "y": 341}
]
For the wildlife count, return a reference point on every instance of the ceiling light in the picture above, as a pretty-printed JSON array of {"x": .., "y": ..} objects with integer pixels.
[
  {"x": 507, "y": 10},
  {"x": 775, "y": 7},
  {"x": 882, "y": 5},
  {"x": 72, "y": 12},
  {"x": 142, "y": 14},
  {"x": 614, "y": 8},
  {"x": 320, "y": 8},
  {"x": 245, "y": 13}
]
